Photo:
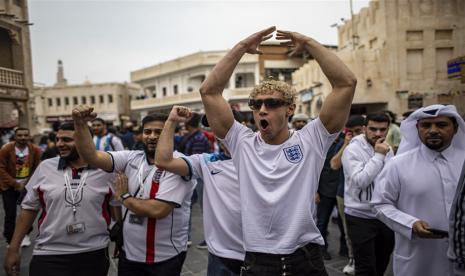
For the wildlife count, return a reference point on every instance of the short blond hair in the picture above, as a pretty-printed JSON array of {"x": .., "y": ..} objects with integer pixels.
[{"x": 270, "y": 86}]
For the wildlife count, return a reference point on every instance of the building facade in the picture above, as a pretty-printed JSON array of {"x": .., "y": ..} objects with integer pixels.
[
  {"x": 177, "y": 82},
  {"x": 55, "y": 103},
  {"x": 399, "y": 51},
  {"x": 16, "y": 81}
]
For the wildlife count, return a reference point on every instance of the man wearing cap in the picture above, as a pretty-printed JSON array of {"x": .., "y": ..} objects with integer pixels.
[
  {"x": 299, "y": 120},
  {"x": 221, "y": 207},
  {"x": 415, "y": 190}
]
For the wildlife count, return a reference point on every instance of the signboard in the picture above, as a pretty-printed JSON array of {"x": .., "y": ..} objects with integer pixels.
[
  {"x": 454, "y": 67},
  {"x": 64, "y": 118}
]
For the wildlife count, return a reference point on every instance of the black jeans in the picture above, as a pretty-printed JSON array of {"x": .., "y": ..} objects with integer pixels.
[
  {"x": 372, "y": 243},
  {"x": 10, "y": 202},
  {"x": 94, "y": 263},
  {"x": 170, "y": 267},
  {"x": 323, "y": 214},
  {"x": 304, "y": 261}
]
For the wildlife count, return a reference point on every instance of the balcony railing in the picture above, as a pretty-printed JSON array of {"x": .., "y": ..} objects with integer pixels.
[{"x": 11, "y": 78}]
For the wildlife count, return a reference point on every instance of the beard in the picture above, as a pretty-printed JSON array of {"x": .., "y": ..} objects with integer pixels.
[
  {"x": 148, "y": 152},
  {"x": 72, "y": 156}
]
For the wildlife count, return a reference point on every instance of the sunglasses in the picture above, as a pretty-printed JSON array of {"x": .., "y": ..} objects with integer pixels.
[{"x": 269, "y": 103}]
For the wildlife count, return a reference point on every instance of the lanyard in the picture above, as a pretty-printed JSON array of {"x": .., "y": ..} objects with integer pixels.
[
  {"x": 141, "y": 179},
  {"x": 78, "y": 190}
]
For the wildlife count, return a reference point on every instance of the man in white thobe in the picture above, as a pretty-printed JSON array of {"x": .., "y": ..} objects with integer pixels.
[{"x": 414, "y": 193}]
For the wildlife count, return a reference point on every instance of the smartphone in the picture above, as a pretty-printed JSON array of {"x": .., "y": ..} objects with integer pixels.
[{"x": 439, "y": 232}]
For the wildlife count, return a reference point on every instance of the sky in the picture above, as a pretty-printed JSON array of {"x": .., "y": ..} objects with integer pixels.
[{"x": 103, "y": 40}]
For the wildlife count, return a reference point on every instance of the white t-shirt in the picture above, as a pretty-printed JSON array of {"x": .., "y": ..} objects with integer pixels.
[
  {"x": 46, "y": 191},
  {"x": 154, "y": 240},
  {"x": 22, "y": 165},
  {"x": 221, "y": 205},
  {"x": 277, "y": 186},
  {"x": 108, "y": 142}
]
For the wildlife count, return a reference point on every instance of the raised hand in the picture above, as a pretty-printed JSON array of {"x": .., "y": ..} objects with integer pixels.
[
  {"x": 252, "y": 42},
  {"x": 381, "y": 146},
  {"x": 83, "y": 113},
  {"x": 180, "y": 114},
  {"x": 295, "y": 40}
]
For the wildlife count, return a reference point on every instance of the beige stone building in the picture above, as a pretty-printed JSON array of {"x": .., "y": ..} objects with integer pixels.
[
  {"x": 399, "y": 50},
  {"x": 15, "y": 64},
  {"x": 177, "y": 82},
  {"x": 55, "y": 103}
]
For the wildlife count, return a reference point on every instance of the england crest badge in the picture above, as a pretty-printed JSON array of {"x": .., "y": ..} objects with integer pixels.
[{"x": 293, "y": 154}]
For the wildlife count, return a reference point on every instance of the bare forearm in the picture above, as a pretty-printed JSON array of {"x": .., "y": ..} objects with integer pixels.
[
  {"x": 336, "y": 162},
  {"x": 338, "y": 74},
  {"x": 164, "y": 152},
  {"x": 86, "y": 148},
  {"x": 147, "y": 207},
  {"x": 23, "y": 224},
  {"x": 221, "y": 73}
]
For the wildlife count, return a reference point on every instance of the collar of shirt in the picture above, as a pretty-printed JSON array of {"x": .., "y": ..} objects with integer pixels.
[
  {"x": 431, "y": 155},
  {"x": 62, "y": 164}
]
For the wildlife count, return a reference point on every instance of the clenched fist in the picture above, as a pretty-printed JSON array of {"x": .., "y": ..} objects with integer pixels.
[
  {"x": 180, "y": 114},
  {"x": 83, "y": 113}
]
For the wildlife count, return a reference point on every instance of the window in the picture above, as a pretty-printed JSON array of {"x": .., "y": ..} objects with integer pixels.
[
  {"x": 442, "y": 56},
  {"x": 75, "y": 100},
  {"x": 175, "y": 89},
  {"x": 92, "y": 99},
  {"x": 83, "y": 100},
  {"x": 414, "y": 64},
  {"x": 66, "y": 101},
  {"x": 58, "y": 100},
  {"x": 443, "y": 35},
  {"x": 414, "y": 35},
  {"x": 101, "y": 99},
  {"x": 110, "y": 98},
  {"x": 415, "y": 101},
  {"x": 164, "y": 91},
  {"x": 50, "y": 102}
]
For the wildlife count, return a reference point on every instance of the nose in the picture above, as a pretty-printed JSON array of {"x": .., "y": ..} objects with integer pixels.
[
  {"x": 378, "y": 132},
  {"x": 262, "y": 109}
]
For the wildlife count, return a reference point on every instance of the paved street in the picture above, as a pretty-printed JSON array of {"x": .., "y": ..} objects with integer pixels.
[{"x": 196, "y": 261}]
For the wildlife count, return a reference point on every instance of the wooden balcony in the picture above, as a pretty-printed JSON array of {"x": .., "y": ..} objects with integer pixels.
[{"x": 11, "y": 78}]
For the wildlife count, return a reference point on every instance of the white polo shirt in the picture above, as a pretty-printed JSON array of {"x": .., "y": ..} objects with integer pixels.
[
  {"x": 278, "y": 185},
  {"x": 46, "y": 191},
  {"x": 221, "y": 205},
  {"x": 154, "y": 240}
]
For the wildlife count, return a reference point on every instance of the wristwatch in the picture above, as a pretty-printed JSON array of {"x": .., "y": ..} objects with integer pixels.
[{"x": 125, "y": 196}]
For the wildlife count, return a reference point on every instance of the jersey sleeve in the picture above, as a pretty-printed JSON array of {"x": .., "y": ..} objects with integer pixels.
[
  {"x": 33, "y": 193},
  {"x": 120, "y": 159},
  {"x": 194, "y": 162},
  {"x": 235, "y": 135},
  {"x": 315, "y": 133},
  {"x": 173, "y": 189}
]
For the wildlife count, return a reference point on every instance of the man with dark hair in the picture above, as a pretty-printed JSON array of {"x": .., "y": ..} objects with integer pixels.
[
  {"x": 103, "y": 139},
  {"x": 73, "y": 199},
  {"x": 18, "y": 160},
  {"x": 416, "y": 202},
  {"x": 362, "y": 161},
  {"x": 156, "y": 203}
]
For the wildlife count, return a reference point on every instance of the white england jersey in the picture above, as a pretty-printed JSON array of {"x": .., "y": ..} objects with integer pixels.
[
  {"x": 221, "y": 205},
  {"x": 277, "y": 186},
  {"x": 154, "y": 240},
  {"x": 47, "y": 191}
]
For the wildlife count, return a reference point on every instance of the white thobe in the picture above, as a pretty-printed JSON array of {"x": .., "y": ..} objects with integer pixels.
[{"x": 418, "y": 185}]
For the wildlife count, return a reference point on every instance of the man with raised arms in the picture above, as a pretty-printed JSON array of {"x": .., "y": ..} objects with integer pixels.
[
  {"x": 221, "y": 207},
  {"x": 278, "y": 169},
  {"x": 155, "y": 229}
]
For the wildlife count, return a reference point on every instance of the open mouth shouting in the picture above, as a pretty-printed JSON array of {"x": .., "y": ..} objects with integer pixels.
[{"x": 264, "y": 125}]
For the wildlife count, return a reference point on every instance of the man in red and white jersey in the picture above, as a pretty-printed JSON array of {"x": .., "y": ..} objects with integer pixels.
[
  {"x": 155, "y": 227},
  {"x": 73, "y": 198}
]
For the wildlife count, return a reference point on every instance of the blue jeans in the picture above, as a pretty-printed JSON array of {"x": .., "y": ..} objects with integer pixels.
[
  {"x": 218, "y": 266},
  {"x": 305, "y": 261}
]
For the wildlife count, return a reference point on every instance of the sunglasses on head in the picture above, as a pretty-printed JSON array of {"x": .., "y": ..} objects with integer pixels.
[{"x": 256, "y": 104}]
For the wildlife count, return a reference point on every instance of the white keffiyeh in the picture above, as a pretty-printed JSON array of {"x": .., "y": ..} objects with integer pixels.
[{"x": 408, "y": 128}]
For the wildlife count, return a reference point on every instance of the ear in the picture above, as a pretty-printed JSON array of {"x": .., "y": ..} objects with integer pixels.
[{"x": 290, "y": 110}]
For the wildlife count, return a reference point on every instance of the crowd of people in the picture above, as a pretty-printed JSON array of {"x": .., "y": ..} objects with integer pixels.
[{"x": 267, "y": 192}]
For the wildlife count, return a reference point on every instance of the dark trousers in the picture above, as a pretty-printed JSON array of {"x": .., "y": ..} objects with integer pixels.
[
  {"x": 323, "y": 215},
  {"x": 10, "y": 202},
  {"x": 94, "y": 263},
  {"x": 170, "y": 267},
  {"x": 304, "y": 261},
  {"x": 372, "y": 243},
  {"x": 219, "y": 266}
]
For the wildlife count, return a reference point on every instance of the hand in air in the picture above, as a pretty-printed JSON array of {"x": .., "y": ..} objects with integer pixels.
[
  {"x": 84, "y": 113},
  {"x": 252, "y": 42},
  {"x": 180, "y": 114},
  {"x": 295, "y": 40}
]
